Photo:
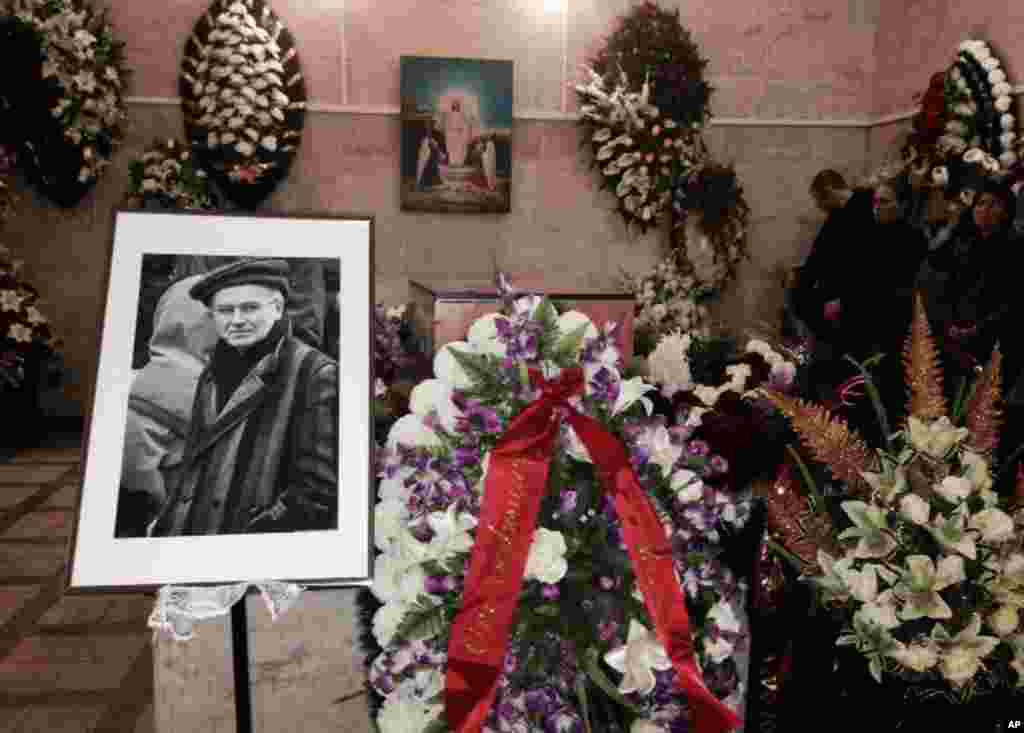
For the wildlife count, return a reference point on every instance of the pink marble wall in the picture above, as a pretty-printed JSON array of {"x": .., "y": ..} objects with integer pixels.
[
  {"x": 801, "y": 59},
  {"x": 807, "y": 59},
  {"x": 919, "y": 37}
]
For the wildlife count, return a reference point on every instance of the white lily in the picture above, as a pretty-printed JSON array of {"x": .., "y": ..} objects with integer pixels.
[
  {"x": 883, "y": 610},
  {"x": 835, "y": 577},
  {"x": 950, "y": 533},
  {"x": 918, "y": 657},
  {"x": 938, "y": 437},
  {"x": 887, "y": 485},
  {"x": 916, "y": 509},
  {"x": 996, "y": 526},
  {"x": 919, "y": 588},
  {"x": 871, "y": 529},
  {"x": 637, "y": 660},
  {"x": 630, "y": 391},
  {"x": 964, "y": 652}
]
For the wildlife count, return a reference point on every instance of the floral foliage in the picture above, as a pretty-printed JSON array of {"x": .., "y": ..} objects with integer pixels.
[
  {"x": 583, "y": 654},
  {"x": 643, "y": 107},
  {"x": 714, "y": 387},
  {"x": 929, "y": 577},
  {"x": 651, "y": 43},
  {"x": 640, "y": 151},
  {"x": 668, "y": 299},
  {"x": 168, "y": 176},
  {"x": 62, "y": 93},
  {"x": 711, "y": 193},
  {"x": 25, "y": 332}
]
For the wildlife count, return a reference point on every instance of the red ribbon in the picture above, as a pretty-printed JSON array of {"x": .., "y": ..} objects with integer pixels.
[{"x": 516, "y": 478}]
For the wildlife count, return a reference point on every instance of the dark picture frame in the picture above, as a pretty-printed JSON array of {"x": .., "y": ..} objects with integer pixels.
[
  {"x": 325, "y": 383},
  {"x": 456, "y": 127}
]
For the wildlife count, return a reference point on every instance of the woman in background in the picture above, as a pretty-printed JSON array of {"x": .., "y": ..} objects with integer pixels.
[{"x": 966, "y": 285}]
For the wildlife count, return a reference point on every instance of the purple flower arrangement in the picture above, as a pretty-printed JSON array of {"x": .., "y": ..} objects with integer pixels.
[{"x": 579, "y": 605}]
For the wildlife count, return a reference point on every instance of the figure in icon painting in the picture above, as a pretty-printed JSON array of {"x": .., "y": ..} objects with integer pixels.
[{"x": 456, "y": 135}]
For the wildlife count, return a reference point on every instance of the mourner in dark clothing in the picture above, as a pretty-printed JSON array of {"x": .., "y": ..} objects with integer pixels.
[
  {"x": 967, "y": 287},
  {"x": 823, "y": 279},
  {"x": 261, "y": 453},
  {"x": 862, "y": 267}
]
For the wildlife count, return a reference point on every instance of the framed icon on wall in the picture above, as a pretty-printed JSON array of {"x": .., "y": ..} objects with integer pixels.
[{"x": 456, "y": 134}]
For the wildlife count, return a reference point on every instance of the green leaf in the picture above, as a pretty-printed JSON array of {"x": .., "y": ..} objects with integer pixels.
[
  {"x": 546, "y": 315},
  {"x": 439, "y": 725},
  {"x": 872, "y": 390},
  {"x": 424, "y": 621},
  {"x": 592, "y": 667},
  {"x": 817, "y": 502}
]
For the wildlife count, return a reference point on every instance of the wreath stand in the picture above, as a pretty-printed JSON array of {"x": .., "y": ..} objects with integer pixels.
[{"x": 240, "y": 654}]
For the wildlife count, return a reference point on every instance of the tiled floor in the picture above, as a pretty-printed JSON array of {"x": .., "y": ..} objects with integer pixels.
[{"x": 68, "y": 664}]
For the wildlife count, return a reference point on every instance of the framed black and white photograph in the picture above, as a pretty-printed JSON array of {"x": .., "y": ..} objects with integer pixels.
[{"x": 230, "y": 432}]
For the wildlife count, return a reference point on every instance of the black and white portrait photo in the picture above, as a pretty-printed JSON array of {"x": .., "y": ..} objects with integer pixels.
[
  {"x": 232, "y": 421},
  {"x": 233, "y": 375}
]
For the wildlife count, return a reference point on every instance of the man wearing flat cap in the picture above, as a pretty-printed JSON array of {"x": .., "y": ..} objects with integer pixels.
[{"x": 261, "y": 453}]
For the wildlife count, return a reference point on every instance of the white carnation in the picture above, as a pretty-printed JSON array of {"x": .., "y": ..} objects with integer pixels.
[
  {"x": 434, "y": 396},
  {"x": 546, "y": 561},
  {"x": 405, "y": 713},
  {"x": 448, "y": 369},
  {"x": 483, "y": 334},
  {"x": 572, "y": 320},
  {"x": 387, "y": 620},
  {"x": 669, "y": 365},
  {"x": 410, "y": 430}
]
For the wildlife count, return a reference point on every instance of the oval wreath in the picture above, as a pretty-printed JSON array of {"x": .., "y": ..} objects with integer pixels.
[
  {"x": 643, "y": 106},
  {"x": 585, "y": 649},
  {"x": 966, "y": 126},
  {"x": 244, "y": 98},
  {"x": 61, "y": 94}
]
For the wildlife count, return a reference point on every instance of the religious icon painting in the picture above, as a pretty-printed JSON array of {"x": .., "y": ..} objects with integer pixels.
[
  {"x": 230, "y": 432},
  {"x": 456, "y": 135}
]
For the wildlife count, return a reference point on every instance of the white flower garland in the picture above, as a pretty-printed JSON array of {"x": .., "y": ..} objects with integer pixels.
[
  {"x": 243, "y": 91},
  {"x": 82, "y": 59}
]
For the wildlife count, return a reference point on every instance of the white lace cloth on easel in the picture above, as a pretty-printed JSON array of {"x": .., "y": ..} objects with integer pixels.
[{"x": 178, "y": 607}]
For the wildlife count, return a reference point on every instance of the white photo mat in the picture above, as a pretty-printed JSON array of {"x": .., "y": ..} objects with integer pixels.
[{"x": 339, "y": 556}]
